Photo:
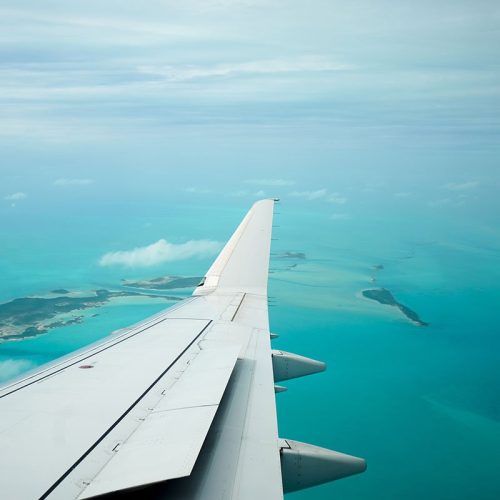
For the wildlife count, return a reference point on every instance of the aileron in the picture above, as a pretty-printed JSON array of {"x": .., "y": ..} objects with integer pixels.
[{"x": 166, "y": 445}]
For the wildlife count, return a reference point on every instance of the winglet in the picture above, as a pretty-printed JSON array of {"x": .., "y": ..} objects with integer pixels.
[{"x": 243, "y": 263}]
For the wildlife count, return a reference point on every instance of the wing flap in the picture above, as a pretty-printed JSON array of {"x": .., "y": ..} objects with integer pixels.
[
  {"x": 166, "y": 445},
  {"x": 66, "y": 413}
]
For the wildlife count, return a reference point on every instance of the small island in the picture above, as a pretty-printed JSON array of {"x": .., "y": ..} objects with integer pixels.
[
  {"x": 164, "y": 283},
  {"x": 385, "y": 297}
]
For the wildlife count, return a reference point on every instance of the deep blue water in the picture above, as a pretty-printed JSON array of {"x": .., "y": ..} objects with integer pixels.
[{"x": 419, "y": 403}]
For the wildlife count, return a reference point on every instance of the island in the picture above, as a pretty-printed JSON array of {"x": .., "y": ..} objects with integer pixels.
[
  {"x": 30, "y": 316},
  {"x": 164, "y": 283},
  {"x": 385, "y": 297},
  {"x": 26, "y": 317}
]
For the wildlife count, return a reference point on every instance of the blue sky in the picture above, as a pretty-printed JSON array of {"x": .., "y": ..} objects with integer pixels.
[{"x": 197, "y": 98}]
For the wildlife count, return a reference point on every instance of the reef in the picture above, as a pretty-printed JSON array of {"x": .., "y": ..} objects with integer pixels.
[{"x": 292, "y": 255}]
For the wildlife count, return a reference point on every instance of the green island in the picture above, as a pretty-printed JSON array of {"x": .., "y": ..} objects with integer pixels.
[
  {"x": 384, "y": 296},
  {"x": 27, "y": 317},
  {"x": 30, "y": 316},
  {"x": 164, "y": 283}
]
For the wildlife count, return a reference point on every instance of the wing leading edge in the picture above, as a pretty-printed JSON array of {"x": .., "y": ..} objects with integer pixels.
[{"x": 181, "y": 405}]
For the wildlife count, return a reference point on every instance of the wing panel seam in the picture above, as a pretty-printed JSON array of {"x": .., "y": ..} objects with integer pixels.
[
  {"x": 239, "y": 305},
  {"x": 80, "y": 359}
]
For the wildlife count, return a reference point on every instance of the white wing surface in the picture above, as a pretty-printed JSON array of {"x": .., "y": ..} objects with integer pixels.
[{"x": 181, "y": 405}]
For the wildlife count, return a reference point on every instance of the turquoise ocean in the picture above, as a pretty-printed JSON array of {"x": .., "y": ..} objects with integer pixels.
[{"x": 421, "y": 404}]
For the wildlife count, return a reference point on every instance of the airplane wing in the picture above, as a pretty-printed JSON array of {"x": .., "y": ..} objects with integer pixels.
[{"x": 181, "y": 405}]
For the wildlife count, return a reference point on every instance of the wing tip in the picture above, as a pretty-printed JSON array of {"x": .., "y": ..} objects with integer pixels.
[{"x": 236, "y": 267}]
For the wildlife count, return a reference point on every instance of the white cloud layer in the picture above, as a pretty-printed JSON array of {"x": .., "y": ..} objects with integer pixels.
[
  {"x": 202, "y": 61},
  {"x": 16, "y": 196},
  {"x": 73, "y": 182},
  {"x": 160, "y": 252}
]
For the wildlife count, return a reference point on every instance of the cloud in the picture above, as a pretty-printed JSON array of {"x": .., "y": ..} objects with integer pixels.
[
  {"x": 120, "y": 86},
  {"x": 403, "y": 194},
  {"x": 310, "y": 195},
  {"x": 73, "y": 182},
  {"x": 10, "y": 368},
  {"x": 270, "y": 182},
  {"x": 160, "y": 252},
  {"x": 463, "y": 186},
  {"x": 260, "y": 194},
  {"x": 336, "y": 198},
  {"x": 16, "y": 196}
]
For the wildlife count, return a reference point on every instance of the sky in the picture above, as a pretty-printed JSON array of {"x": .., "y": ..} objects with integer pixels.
[
  {"x": 326, "y": 95},
  {"x": 335, "y": 107}
]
